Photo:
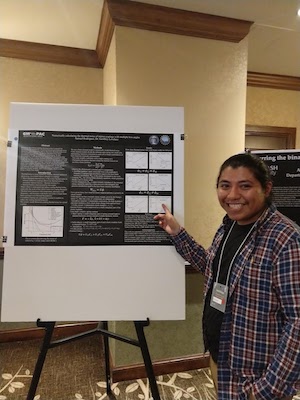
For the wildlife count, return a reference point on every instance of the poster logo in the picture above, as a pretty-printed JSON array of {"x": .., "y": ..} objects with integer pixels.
[{"x": 34, "y": 134}]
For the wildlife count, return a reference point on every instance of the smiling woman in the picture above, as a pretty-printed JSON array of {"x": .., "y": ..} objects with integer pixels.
[
  {"x": 244, "y": 188},
  {"x": 252, "y": 270},
  {"x": 148, "y": 67}
]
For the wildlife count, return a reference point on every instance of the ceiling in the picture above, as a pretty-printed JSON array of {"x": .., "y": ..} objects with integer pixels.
[{"x": 274, "y": 38}]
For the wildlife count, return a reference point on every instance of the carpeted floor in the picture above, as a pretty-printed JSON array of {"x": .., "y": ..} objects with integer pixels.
[{"x": 76, "y": 371}]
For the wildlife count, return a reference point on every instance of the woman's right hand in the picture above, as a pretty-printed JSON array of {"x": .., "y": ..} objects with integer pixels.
[{"x": 168, "y": 222}]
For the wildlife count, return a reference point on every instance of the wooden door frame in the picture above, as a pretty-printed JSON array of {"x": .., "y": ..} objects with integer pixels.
[{"x": 278, "y": 132}]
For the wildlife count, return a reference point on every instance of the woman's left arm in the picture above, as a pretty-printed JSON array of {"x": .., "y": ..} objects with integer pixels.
[{"x": 284, "y": 370}]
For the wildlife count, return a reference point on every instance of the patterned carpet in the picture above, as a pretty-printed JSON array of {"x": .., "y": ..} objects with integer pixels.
[{"x": 75, "y": 371}]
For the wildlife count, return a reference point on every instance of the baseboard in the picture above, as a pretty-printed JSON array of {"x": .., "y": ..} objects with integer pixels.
[
  {"x": 15, "y": 335},
  {"x": 162, "y": 367}
]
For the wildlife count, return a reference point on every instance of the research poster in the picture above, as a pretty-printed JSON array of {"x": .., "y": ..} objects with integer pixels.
[
  {"x": 83, "y": 183},
  {"x": 285, "y": 171},
  {"x": 92, "y": 188}
]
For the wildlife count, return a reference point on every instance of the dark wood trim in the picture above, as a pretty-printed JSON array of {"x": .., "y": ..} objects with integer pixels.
[
  {"x": 191, "y": 270},
  {"x": 96, "y": 58},
  {"x": 49, "y": 53},
  {"x": 180, "y": 22},
  {"x": 1, "y": 253},
  {"x": 273, "y": 81},
  {"x": 150, "y": 17},
  {"x": 162, "y": 367},
  {"x": 134, "y": 15},
  {"x": 273, "y": 131},
  {"x": 60, "y": 331},
  {"x": 106, "y": 32}
]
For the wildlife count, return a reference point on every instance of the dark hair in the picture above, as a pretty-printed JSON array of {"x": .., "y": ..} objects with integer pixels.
[{"x": 255, "y": 164}]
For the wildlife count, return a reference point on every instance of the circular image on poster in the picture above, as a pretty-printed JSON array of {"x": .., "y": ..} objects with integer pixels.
[
  {"x": 153, "y": 140},
  {"x": 165, "y": 140}
]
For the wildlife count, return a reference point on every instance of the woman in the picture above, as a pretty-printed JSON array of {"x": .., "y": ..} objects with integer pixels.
[{"x": 251, "y": 320}]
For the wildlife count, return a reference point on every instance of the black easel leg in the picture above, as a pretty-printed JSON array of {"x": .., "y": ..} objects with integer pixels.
[
  {"x": 49, "y": 326},
  {"x": 107, "y": 363},
  {"x": 139, "y": 327}
]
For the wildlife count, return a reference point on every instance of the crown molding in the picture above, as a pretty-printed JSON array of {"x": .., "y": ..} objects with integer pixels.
[
  {"x": 48, "y": 53},
  {"x": 151, "y": 17},
  {"x": 134, "y": 15},
  {"x": 106, "y": 32},
  {"x": 148, "y": 17},
  {"x": 180, "y": 22},
  {"x": 167, "y": 20},
  {"x": 273, "y": 81}
]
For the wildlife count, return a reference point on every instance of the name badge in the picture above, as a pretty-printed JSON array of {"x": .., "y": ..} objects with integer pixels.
[{"x": 219, "y": 297}]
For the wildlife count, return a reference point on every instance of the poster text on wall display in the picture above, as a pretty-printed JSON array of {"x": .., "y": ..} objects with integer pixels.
[
  {"x": 92, "y": 188},
  {"x": 285, "y": 171}
]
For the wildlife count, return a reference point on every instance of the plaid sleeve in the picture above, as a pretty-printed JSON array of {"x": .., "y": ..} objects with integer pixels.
[
  {"x": 284, "y": 370},
  {"x": 190, "y": 250}
]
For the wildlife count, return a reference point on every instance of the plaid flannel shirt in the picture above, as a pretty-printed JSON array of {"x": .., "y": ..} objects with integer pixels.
[{"x": 260, "y": 334}]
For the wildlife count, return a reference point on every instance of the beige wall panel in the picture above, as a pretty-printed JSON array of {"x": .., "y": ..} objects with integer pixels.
[
  {"x": 207, "y": 78},
  {"x": 274, "y": 107},
  {"x": 109, "y": 76},
  {"x": 30, "y": 81}
]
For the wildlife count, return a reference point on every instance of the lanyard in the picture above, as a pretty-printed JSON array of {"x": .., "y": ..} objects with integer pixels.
[{"x": 233, "y": 258}]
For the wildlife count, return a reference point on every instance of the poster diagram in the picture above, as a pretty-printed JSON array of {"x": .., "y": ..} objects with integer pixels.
[
  {"x": 160, "y": 160},
  {"x": 136, "y": 204},
  {"x": 160, "y": 182},
  {"x": 136, "y": 182},
  {"x": 42, "y": 221},
  {"x": 87, "y": 188},
  {"x": 155, "y": 203},
  {"x": 136, "y": 160}
]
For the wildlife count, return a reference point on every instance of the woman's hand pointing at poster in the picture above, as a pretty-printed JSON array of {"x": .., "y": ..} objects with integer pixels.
[{"x": 168, "y": 222}]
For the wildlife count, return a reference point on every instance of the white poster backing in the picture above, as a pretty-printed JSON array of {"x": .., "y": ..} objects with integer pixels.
[{"x": 96, "y": 282}]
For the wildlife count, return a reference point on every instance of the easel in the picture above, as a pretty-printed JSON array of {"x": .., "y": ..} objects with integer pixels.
[{"x": 141, "y": 342}]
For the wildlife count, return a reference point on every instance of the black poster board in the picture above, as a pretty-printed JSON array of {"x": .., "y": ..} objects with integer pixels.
[
  {"x": 285, "y": 171},
  {"x": 92, "y": 188}
]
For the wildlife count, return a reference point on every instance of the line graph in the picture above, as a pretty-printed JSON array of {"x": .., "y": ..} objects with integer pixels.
[
  {"x": 160, "y": 160},
  {"x": 136, "y": 182},
  {"x": 136, "y": 204},
  {"x": 160, "y": 182},
  {"x": 136, "y": 160},
  {"x": 42, "y": 221},
  {"x": 155, "y": 203}
]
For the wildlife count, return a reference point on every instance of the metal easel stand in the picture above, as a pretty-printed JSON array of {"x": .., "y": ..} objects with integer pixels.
[{"x": 103, "y": 330}]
